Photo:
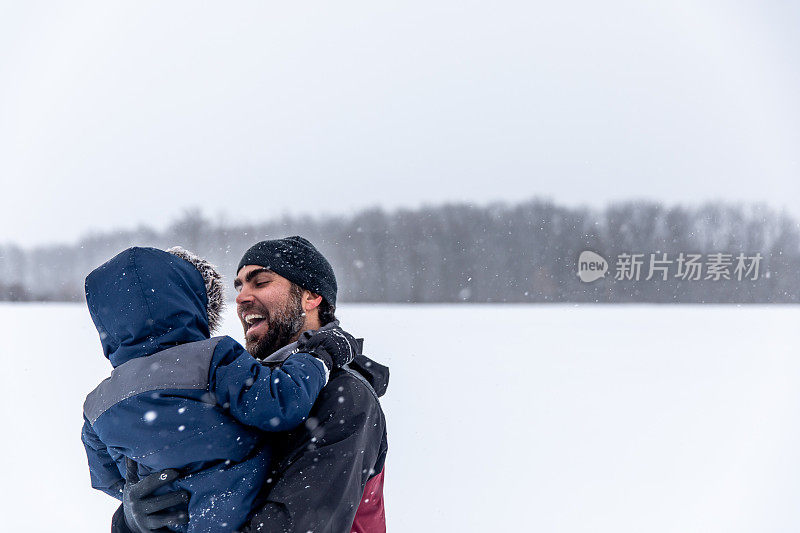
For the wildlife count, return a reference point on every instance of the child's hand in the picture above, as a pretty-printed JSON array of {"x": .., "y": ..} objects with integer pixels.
[
  {"x": 334, "y": 346},
  {"x": 145, "y": 513}
]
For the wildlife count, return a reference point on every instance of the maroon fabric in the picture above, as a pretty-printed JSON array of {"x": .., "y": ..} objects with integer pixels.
[{"x": 371, "y": 516}]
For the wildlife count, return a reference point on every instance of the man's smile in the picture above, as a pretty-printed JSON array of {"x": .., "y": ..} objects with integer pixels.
[{"x": 253, "y": 322}]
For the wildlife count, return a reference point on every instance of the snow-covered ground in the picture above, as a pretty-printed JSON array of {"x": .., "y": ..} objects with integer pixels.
[{"x": 501, "y": 418}]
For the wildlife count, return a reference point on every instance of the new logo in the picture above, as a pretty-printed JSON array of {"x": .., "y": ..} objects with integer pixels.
[{"x": 591, "y": 266}]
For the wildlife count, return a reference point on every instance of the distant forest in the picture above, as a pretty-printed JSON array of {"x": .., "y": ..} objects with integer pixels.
[{"x": 527, "y": 252}]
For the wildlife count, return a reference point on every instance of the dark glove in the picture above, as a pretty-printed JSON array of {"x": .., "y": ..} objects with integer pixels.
[
  {"x": 334, "y": 346},
  {"x": 149, "y": 514}
]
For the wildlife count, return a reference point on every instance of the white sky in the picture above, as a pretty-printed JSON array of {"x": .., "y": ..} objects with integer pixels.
[{"x": 114, "y": 114}]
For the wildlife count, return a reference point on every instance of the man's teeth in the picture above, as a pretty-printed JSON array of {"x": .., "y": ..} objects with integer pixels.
[{"x": 251, "y": 318}]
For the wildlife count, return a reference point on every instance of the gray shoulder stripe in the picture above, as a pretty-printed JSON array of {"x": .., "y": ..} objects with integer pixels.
[{"x": 185, "y": 366}]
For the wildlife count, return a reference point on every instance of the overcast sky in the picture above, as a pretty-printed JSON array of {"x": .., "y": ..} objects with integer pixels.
[{"x": 114, "y": 114}]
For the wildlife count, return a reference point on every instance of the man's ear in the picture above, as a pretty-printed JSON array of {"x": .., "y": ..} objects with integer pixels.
[{"x": 311, "y": 301}]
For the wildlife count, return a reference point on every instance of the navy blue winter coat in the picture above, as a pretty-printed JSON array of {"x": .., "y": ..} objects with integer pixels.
[{"x": 177, "y": 399}]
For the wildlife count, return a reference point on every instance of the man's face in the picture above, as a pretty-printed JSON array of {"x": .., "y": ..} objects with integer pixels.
[{"x": 270, "y": 309}]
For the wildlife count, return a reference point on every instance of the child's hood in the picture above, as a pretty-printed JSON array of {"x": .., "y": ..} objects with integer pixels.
[{"x": 145, "y": 300}]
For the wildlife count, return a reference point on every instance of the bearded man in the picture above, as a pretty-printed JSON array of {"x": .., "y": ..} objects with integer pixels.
[{"x": 328, "y": 473}]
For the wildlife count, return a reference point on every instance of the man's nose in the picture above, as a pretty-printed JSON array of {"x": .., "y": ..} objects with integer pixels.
[{"x": 244, "y": 296}]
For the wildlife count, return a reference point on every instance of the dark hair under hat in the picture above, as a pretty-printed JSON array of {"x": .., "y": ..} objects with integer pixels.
[{"x": 297, "y": 260}]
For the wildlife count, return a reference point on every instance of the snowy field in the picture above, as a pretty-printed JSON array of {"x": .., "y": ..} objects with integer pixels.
[{"x": 501, "y": 418}]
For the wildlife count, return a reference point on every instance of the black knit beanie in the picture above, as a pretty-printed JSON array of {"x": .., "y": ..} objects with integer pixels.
[{"x": 297, "y": 260}]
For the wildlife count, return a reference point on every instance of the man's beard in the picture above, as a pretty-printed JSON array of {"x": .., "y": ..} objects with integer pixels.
[{"x": 283, "y": 327}]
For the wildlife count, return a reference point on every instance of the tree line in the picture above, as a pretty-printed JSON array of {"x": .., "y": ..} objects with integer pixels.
[{"x": 525, "y": 252}]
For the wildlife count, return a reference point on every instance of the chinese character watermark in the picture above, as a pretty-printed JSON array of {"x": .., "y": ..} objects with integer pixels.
[{"x": 663, "y": 267}]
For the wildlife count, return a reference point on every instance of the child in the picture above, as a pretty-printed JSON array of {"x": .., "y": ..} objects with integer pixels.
[{"x": 179, "y": 399}]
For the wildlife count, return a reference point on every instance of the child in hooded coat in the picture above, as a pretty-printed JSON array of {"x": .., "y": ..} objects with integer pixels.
[{"x": 179, "y": 399}]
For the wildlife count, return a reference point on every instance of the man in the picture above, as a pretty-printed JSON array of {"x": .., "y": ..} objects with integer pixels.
[{"x": 328, "y": 473}]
